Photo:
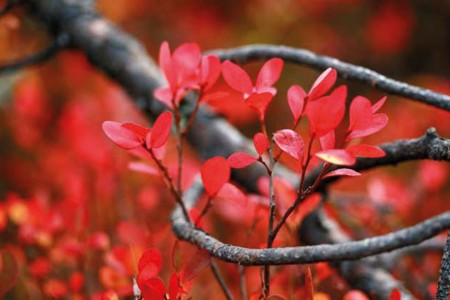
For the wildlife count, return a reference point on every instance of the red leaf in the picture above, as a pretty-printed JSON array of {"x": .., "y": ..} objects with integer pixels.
[
  {"x": 174, "y": 286},
  {"x": 230, "y": 192},
  {"x": 309, "y": 285},
  {"x": 185, "y": 61},
  {"x": 259, "y": 102},
  {"x": 143, "y": 168},
  {"x": 198, "y": 262},
  {"x": 211, "y": 68},
  {"x": 362, "y": 120},
  {"x": 122, "y": 136},
  {"x": 378, "y": 105},
  {"x": 139, "y": 130},
  {"x": 326, "y": 113},
  {"x": 237, "y": 78},
  {"x": 161, "y": 130},
  {"x": 337, "y": 157},
  {"x": 148, "y": 272},
  {"x": 396, "y": 295},
  {"x": 150, "y": 256},
  {"x": 261, "y": 143},
  {"x": 240, "y": 160},
  {"x": 290, "y": 142},
  {"x": 323, "y": 83},
  {"x": 165, "y": 63},
  {"x": 327, "y": 141},
  {"x": 269, "y": 74},
  {"x": 342, "y": 172},
  {"x": 296, "y": 100},
  {"x": 152, "y": 289},
  {"x": 363, "y": 150},
  {"x": 215, "y": 173},
  {"x": 165, "y": 95}
]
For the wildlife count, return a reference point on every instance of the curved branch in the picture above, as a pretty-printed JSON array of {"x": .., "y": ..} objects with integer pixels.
[
  {"x": 345, "y": 70},
  {"x": 59, "y": 43},
  {"x": 312, "y": 254}
]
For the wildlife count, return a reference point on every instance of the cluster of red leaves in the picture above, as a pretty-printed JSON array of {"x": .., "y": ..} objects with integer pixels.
[
  {"x": 324, "y": 112},
  {"x": 187, "y": 71},
  {"x": 142, "y": 142},
  {"x": 51, "y": 232},
  {"x": 150, "y": 264}
]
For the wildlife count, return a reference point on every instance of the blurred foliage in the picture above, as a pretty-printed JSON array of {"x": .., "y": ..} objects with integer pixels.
[{"x": 74, "y": 220}]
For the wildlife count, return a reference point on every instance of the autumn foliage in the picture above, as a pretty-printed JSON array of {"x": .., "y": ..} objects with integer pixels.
[{"x": 89, "y": 184}]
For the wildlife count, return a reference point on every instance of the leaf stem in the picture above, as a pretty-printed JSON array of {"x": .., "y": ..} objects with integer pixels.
[
  {"x": 220, "y": 280},
  {"x": 169, "y": 181},
  {"x": 272, "y": 209},
  {"x": 299, "y": 200},
  {"x": 193, "y": 114},
  {"x": 205, "y": 209},
  {"x": 242, "y": 283}
]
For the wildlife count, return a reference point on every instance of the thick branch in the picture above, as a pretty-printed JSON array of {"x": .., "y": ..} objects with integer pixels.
[
  {"x": 312, "y": 254},
  {"x": 58, "y": 44},
  {"x": 345, "y": 70},
  {"x": 444, "y": 273}
]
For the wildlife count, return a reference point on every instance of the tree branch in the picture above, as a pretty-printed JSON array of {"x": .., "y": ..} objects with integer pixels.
[
  {"x": 60, "y": 42},
  {"x": 444, "y": 273},
  {"x": 312, "y": 254},
  {"x": 345, "y": 70}
]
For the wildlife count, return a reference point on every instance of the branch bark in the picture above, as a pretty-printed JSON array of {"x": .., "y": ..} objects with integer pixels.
[
  {"x": 311, "y": 254},
  {"x": 444, "y": 273}
]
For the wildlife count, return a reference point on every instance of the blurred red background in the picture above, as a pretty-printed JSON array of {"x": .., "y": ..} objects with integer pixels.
[{"x": 73, "y": 218}]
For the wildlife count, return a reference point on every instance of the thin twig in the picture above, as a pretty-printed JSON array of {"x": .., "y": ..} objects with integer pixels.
[
  {"x": 172, "y": 188},
  {"x": 242, "y": 283},
  {"x": 272, "y": 209},
  {"x": 220, "y": 280},
  {"x": 299, "y": 200},
  {"x": 204, "y": 211},
  {"x": 60, "y": 42},
  {"x": 345, "y": 70},
  {"x": 444, "y": 273}
]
